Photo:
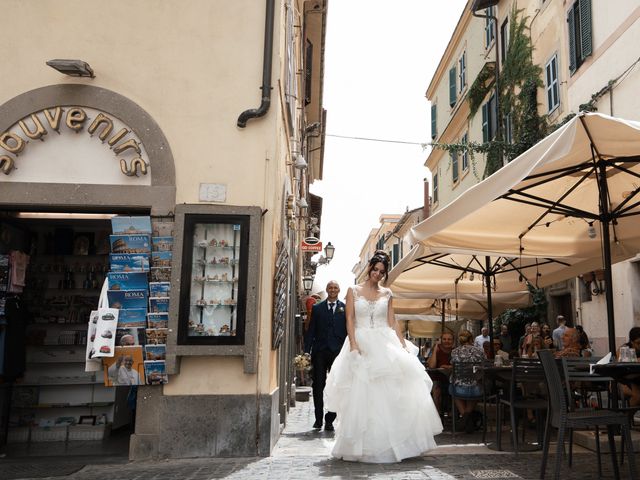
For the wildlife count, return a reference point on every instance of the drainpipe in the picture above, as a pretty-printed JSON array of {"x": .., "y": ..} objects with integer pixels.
[{"x": 266, "y": 70}]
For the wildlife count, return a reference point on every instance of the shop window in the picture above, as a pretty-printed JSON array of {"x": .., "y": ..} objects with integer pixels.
[
  {"x": 216, "y": 313},
  {"x": 579, "y": 29}
]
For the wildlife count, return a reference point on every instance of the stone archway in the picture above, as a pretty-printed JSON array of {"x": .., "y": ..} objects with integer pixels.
[{"x": 158, "y": 197}]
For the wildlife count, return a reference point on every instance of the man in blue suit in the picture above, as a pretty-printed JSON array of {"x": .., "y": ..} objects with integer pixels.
[{"x": 324, "y": 339}]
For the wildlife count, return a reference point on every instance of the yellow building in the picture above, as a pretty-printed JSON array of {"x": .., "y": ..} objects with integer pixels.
[{"x": 208, "y": 117}]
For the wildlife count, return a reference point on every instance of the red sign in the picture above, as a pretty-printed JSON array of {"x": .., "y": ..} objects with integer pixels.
[{"x": 311, "y": 244}]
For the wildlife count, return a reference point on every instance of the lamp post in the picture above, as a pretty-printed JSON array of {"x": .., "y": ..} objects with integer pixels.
[
  {"x": 329, "y": 250},
  {"x": 307, "y": 283}
]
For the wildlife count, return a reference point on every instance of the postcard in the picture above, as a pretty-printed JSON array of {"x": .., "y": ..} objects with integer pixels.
[
  {"x": 155, "y": 352},
  {"x": 161, "y": 259},
  {"x": 128, "y": 281},
  {"x": 162, "y": 229},
  {"x": 158, "y": 304},
  {"x": 156, "y": 372},
  {"x": 128, "y": 262},
  {"x": 126, "y": 367},
  {"x": 157, "y": 336},
  {"x": 159, "y": 289},
  {"x": 132, "y": 317},
  {"x": 160, "y": 274},
  {"x": 158, "y": 320},
  {"x": 130, "y": 243},
  {"x": 162, "y": 244},
  {"x": 127, "y": 298},
  {"x": 128, "y": 225},
  {"x": 126, "y": 337}
]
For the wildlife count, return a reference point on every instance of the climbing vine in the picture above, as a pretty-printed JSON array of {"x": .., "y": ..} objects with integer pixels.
[{"x": 519, "y": 80}]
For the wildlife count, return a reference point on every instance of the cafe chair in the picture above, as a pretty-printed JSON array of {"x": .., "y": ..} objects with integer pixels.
[
  {"x": 566, "y": 418},
  {"x": 470, "y": 372},
  {"x": 583, "y": 385},
  {"x": 525, "y": 393}
]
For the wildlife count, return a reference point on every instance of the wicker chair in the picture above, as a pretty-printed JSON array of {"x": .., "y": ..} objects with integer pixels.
[
  {"x": 567, "y": 418},
  {"x": 527, "y": 375}
]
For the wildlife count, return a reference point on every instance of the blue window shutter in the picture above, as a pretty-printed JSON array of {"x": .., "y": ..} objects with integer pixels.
[
  {"x": 452, "y": 86},
  {"x": 572, "y": 42},
  {"x": 585, "y": 28},
  {"x": 434, "y": 121}
]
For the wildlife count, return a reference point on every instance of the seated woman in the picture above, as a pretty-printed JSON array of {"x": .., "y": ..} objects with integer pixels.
[
  {"x": 467, "y": 390},
  {"x": 440, "y": 358},
  {"x": 632, "y": 390},
  {"x": 536, "y": 344}
]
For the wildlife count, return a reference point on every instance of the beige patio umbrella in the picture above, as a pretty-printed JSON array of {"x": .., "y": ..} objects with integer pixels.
[{"x": 573, "y": 195}]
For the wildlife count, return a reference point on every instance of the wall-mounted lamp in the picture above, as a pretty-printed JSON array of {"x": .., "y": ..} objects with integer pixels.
[
  {"x": 74, "y": 68},
  {"x": 302, "y": 203},
  {"x": 300, "y": 162},
  {"x": 329, "y": 250},
  {"x": 307, "y": 283},
  {"x": 595, "y": 283}
]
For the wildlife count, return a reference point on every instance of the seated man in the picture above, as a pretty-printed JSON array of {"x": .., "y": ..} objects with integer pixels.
[
  {"x": 570, "y": 343},
  {"x": 440, "y": 358}
]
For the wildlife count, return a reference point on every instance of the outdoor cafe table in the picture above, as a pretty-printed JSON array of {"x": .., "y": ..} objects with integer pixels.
[{"x": 622, "y": 372}]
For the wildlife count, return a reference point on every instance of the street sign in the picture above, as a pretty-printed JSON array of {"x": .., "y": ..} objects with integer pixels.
[{"x": 311, "y": 244}]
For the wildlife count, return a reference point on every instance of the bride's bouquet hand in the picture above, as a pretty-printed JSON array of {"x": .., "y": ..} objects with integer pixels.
[{"x": 354, "y": 348}]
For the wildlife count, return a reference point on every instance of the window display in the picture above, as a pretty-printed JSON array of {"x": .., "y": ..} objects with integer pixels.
[{"x": 215, "y": 279}]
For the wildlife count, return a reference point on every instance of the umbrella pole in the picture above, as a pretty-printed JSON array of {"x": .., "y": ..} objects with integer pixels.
[
  {"x": 443, "y": 317},
  {"x": 487, "y": 276},
  {"x": 606, "y": 240}
]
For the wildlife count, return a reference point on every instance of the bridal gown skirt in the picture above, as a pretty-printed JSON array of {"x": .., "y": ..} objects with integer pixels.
[{"x": 383, "y": 400}]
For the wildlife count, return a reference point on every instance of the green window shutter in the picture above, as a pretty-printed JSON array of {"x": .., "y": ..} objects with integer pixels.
[
  {"x": 585, "y": 28},
  {"x": 485, "y": 123},
  {"x": 434, "y": 121},
  {"x": 452, "y": 86},
  {"x": 395, "y": 257},
  {"x": 572, "y": 42}
]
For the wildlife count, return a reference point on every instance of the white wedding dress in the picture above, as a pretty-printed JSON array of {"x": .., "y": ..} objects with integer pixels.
[{"x": 382, "y": 395}]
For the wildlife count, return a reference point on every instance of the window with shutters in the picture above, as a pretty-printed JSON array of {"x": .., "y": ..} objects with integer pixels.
[
  {"x": 489, "y": 119},
  {"x": 455, "y": 174},
  {"x": 508, "y": 128},
  {"x": 434, "y": 121},
  {"x": 464, "y": 154},
  {"x": 435, "y": 188},
  {"x": 504, "y": 40},
  {"x": 551, "y": 83},
  {"x": 395, "y": 254},
  {"x": 462, "y": 74},
  {"x": 489, "y": 27},
  {"x": 453, "y": 94},
  {"x": 579, "y": 28}
]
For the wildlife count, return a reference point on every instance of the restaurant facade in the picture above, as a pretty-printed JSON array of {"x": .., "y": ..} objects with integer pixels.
[{"x": 206, "y": 118}]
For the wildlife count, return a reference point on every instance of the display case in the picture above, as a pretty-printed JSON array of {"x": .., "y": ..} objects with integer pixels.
[{"x": 214, "y": 279}]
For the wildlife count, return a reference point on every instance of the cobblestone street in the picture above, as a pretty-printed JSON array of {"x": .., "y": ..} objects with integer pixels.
[{"x": 303, "y": 453}]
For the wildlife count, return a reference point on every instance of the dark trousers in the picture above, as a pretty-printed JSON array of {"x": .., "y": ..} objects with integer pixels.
[{"x": 321, "y": 362}]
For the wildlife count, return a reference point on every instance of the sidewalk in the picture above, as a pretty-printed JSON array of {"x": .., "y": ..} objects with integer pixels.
[{"x": 303, "y": 453}]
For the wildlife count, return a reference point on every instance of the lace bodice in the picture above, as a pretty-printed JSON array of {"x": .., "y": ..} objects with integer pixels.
[{"x": 371, "y": 314}]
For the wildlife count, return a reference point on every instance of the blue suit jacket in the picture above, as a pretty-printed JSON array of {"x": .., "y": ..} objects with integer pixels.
[{"x": 321, "y": 335}]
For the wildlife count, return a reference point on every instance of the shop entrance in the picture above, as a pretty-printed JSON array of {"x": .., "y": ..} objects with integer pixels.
[{"x": 49, "y": 404}]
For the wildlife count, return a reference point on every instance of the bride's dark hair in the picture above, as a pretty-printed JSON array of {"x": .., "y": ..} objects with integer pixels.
[{"x": 380, "y": 256}]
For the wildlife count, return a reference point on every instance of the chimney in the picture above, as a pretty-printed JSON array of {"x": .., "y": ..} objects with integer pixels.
[{"x": 426, "y": 209}]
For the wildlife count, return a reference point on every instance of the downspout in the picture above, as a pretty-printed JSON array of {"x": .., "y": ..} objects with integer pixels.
[{"x": 266, "y": 69}]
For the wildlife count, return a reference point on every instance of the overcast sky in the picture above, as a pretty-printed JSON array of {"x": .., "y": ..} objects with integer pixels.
[{"x": 380, "y": 57}]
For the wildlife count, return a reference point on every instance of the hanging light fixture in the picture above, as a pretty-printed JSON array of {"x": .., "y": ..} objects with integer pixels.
[
  {"x": 329, "y": 250},
  {"x": 307, "y": 283},
  {"x": 591, "y": 231}
]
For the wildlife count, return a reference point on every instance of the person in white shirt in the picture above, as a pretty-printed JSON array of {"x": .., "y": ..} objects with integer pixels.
[
  {"x": 483, "y": 337},
  {"x": 123, "y": 374},
  {"x": 559, "y": 332}
]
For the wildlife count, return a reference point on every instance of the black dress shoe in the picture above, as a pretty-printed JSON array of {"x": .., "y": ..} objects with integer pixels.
[
  {"x": 318, "y": 424},
  {"x": 328, "y": 427}
]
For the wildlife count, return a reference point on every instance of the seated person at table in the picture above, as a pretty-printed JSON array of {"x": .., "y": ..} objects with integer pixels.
[
  {"x": 570, "y": 342},
  {"x": 467, "y": 390},
  {"x": 536, "y": 344},
  {"x": 498, "y": 351},
  {"x": 528, "y": 339},
  {"x": 585, "y": 344},
  {"x": 545, "y": 333},
  {"x": 440, "y": 358},
  {"x": 632, "y": 391}
]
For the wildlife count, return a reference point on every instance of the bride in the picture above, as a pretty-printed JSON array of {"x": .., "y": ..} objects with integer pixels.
[{"x": 378, "y": 388}]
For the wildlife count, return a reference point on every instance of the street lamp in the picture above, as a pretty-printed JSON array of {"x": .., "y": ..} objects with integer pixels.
[
  {"x": 329, "y": 250},
  {"x": 74, "y": 68},
  {"x": 307, "y": 283}
]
